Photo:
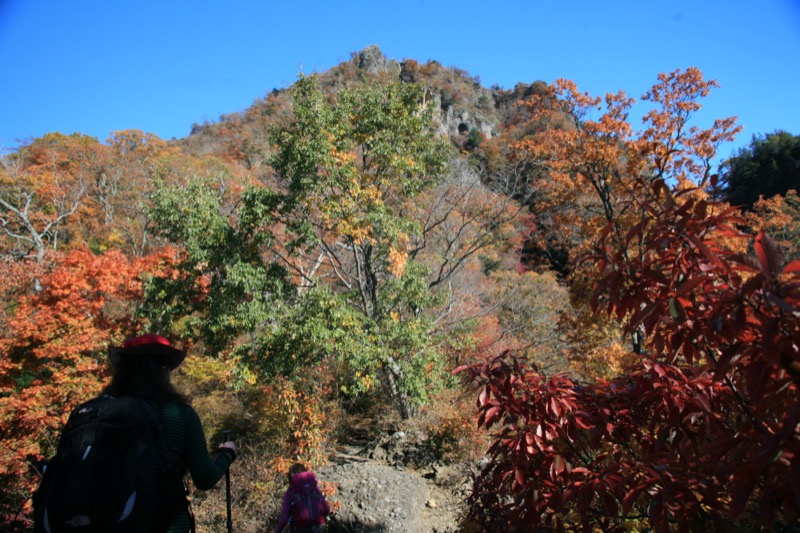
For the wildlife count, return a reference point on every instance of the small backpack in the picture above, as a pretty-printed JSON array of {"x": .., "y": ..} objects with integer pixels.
[
  {"x": 305, "y": 507},
  {"x": 111, "y": 472}
]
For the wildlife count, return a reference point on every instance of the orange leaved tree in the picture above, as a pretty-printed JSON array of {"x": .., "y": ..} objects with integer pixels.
[
  {"x": 596, "y": 167},
  {"x": 53, "y": 344}
]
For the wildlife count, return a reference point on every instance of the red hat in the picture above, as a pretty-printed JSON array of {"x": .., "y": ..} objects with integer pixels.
[{"x": 149, "y": 344}]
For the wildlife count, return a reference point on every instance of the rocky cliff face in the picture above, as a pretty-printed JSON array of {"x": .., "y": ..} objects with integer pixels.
[
  {"x": 372, "y": 61},
  {"x": 456, "y": 123},
  {"x": 458, "y": 116}
]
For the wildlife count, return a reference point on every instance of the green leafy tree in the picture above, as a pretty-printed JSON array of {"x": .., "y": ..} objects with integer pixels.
[
  {"x": 351, "y": 258},
  {"x": 223, "y": 288},
  {"x": 768, "y": 167},
  {"x": 348, "y": 169}
]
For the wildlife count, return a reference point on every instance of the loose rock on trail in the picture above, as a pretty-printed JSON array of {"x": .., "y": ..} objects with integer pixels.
[{"x": 383, "y": 489}]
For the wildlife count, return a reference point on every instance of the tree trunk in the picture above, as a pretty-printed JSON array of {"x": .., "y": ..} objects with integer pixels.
[{"x": 394, "y": 374}]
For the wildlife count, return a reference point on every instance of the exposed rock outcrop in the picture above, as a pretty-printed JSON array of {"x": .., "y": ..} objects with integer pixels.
[
  {"x": 372, "y": 60},
  {"x": 389, "y": 485},
  {"x": 377, "y": 497}
]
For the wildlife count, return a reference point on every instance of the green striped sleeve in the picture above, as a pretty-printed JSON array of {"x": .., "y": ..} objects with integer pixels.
[
  {"x": 187, "y": 446},
  {"x": 187, "y": 442}
]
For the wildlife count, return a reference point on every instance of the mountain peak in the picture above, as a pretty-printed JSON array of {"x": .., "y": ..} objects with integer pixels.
[{"x": 372, "y": 60}]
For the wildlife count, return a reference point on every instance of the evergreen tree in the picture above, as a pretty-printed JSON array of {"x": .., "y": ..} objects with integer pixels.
[{"x": 768, "y": 167}]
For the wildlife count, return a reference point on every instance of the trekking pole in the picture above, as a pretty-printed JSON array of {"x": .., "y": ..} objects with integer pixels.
[{"x": 226, "y": 436}]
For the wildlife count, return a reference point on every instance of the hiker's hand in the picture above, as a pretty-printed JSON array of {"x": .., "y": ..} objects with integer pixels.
[{"x": 229, "y": 448}]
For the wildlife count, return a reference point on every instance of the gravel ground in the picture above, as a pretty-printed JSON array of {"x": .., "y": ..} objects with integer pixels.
[{"x": 380, "y": 494}]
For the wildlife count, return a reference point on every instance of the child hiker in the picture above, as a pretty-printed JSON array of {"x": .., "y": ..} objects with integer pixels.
[{"x": 304, "y": 506}]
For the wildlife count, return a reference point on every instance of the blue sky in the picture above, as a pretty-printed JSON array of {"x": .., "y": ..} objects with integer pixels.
[{"x": 98, "y": 66}]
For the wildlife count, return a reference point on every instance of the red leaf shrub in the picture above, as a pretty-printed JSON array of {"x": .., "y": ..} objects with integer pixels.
[{"x": 703, "y": 431}]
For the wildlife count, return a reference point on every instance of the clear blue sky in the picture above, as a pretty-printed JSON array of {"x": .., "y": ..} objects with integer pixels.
[{"x": 98, "y": 66}]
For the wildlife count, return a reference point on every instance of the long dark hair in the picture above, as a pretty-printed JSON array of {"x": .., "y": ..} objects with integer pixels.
[
  {"x": 144, "y": 376},
  {"x": 295, "y": 469}
]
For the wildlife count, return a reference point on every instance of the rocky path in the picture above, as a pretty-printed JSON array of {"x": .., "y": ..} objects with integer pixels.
[{"x": 380, "y": 493}]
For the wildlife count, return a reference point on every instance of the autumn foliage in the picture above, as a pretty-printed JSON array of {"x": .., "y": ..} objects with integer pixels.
[
  {"x": 54, "y": 353},
  {"x": 702, "y": 430},
  {"x": 332, "y": 257}
]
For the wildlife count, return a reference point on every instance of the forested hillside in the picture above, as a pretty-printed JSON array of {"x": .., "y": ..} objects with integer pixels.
[{"x": 517, "y": 274}]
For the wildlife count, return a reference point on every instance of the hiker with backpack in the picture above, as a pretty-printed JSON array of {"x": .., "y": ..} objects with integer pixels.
[
  {"x": 304, "y": 506},
  {"x": 122, "y": 457}
]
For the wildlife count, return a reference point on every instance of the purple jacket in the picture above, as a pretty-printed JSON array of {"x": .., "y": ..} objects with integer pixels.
[{"x": 296, "y": 492}]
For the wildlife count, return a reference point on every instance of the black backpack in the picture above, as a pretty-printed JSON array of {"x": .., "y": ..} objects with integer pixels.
[{"x": 111, "y": 472}]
